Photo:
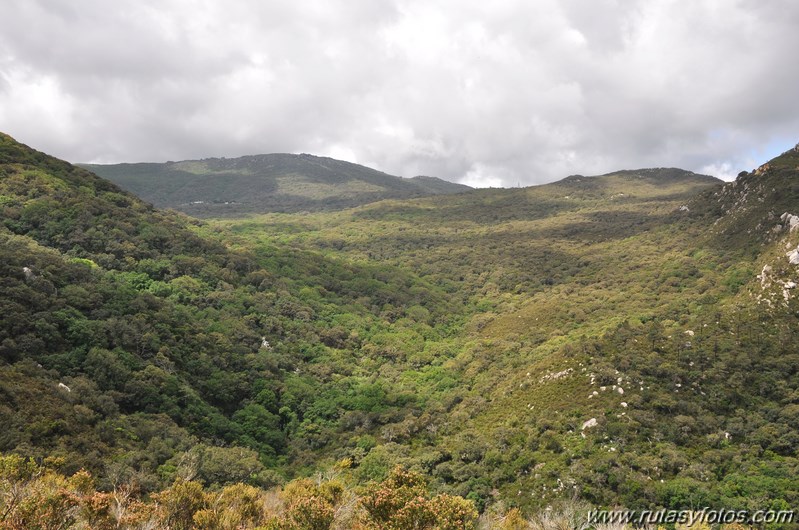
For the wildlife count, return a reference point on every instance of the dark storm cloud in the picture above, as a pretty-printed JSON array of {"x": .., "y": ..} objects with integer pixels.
[{"x": 490, "y": 93}]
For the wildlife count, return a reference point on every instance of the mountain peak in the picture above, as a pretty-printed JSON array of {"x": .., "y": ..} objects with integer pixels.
[{"x": 657, "y": 176}]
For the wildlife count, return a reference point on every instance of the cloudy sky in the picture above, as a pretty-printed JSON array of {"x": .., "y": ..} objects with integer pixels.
[{"x": 500, "y": 92}]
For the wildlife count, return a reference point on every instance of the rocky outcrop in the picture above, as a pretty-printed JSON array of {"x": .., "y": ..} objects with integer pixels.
[{"x": 789, "y": 221}]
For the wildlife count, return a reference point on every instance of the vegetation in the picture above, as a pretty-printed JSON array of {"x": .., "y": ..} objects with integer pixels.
[
  {"x": 624, "y": 340},
  {"x": 229, "y": 187},
  {"x": 34, "y": 496}
]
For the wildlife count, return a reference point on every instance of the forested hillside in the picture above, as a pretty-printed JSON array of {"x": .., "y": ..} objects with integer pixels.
[
  {"x": 280, "y": 182},
  {"x": 622, "y": 346},
  {"x": 626, "y": 340},
  {"x": 154, "y": 328}
]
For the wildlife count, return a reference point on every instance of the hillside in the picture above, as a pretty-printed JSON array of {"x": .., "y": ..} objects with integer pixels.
[
  {"x": 626, "y": 340},
  {"x": 620, "y": 347},
  {"x": 164, "y": 339},
  {"x": 224, "y": 187}
]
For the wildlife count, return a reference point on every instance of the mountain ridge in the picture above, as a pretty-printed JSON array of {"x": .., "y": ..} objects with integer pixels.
[{"x": 280, "y": 182}]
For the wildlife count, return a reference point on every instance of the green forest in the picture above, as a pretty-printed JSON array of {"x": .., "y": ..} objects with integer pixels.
[{"x": 496, "y": 358}]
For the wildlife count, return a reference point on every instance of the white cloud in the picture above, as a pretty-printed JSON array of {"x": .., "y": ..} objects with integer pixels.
[
  {"x": 340, "y": 152},
  {"x": 481, "y": 176},
  {"x": 721, "y": 170},
  {"x": 486, "y": 92}
]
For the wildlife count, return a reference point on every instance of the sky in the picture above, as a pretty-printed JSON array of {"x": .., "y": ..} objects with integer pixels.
[{"x": 488, "y": 93}]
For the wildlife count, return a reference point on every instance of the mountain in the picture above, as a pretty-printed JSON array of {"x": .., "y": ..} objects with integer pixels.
[
  {"x": 623, "y": 340},
  {"x": 223, "y": 187}
]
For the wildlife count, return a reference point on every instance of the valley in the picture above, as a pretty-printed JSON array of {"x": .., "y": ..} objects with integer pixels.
[{"x": 614, "y": 339}]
